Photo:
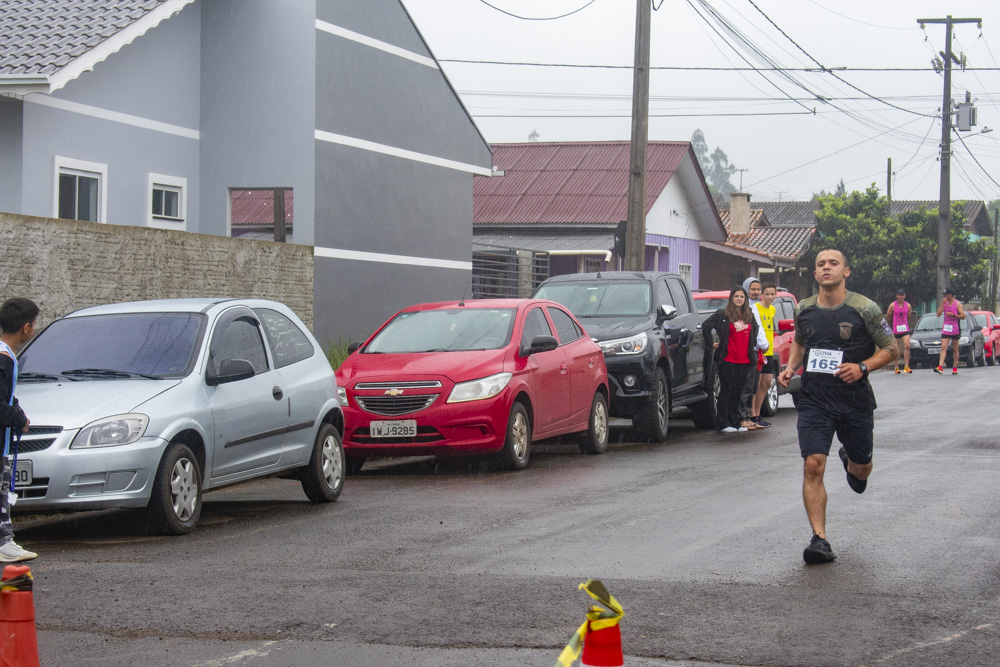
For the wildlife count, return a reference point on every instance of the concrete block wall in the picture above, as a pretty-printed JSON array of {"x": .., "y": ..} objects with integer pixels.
[{"x": 65, "y": 265}]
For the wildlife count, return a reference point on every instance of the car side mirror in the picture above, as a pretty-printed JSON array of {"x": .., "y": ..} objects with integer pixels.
[
  {"x": 665, "y": 312},
  {"x": 353, "y": 347},
  {"x": 231, "y": 370},
  {"x": 541, "y": 344},
  {"x": 996, "y": 326},
  {"x": 784, "y": 326}
]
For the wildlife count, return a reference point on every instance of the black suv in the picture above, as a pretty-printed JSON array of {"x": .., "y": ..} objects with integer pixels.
[{"x": 650, "y": 332}]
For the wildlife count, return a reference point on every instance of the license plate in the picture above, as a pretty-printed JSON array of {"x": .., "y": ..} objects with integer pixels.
[
  {"x": 934, "y": 350},
  {"x": 22, "y": 475},
  {"x": 401, "y": 428}
]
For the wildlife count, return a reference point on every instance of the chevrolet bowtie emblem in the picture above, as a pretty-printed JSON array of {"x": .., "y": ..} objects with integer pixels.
[{"x": 393, "y": 392}]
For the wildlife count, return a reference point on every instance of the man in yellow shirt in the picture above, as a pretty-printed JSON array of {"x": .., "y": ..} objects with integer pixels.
[{"x": 767, "y": 310}]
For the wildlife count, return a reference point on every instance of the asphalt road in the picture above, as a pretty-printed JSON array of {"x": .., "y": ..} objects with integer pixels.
[{"x": 425, "y": 562}]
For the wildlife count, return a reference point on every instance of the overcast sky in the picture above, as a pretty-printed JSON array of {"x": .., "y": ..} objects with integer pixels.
[{"x": 787, "y": 156}]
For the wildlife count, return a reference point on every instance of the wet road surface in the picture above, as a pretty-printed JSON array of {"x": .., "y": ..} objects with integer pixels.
[{"x": 431, "y": 562}]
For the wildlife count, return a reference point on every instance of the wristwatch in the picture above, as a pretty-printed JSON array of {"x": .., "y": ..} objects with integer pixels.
[{"x": 864, "y": 369}]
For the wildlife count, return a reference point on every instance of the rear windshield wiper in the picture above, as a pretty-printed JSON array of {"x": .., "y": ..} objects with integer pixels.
[
  {"x": 47, "y": 377},
  {"x": 109, "y": 373}
]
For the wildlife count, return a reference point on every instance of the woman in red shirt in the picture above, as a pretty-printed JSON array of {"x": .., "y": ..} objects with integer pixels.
[{"x": 737, "y": 332}]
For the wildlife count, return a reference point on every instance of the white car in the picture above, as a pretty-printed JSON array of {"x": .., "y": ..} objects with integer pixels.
[{"x": 148, "y": 404}]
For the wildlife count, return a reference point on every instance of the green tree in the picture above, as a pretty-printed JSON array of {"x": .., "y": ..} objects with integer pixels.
[
  {"x": 715, "y": 165},
  {"x": 887, "y": 252}
]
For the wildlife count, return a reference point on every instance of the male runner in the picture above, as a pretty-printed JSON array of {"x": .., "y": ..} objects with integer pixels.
[
  {"x": 898, "y": 317},
  {"x": 770, "y": 369},
  {"x": 840, "y": 337},
  {"x": 951, "y": 330}
]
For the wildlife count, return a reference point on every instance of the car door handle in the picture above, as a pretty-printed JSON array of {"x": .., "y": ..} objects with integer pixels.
[
  {"x": 277, "y": 393},
  {"x": 563, "y": 368}
]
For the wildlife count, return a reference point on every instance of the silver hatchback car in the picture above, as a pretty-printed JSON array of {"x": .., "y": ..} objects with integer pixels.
[{"x": 147, "y": 404}]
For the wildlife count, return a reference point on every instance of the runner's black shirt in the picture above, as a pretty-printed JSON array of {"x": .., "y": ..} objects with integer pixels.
[{"x": 857, "y": 328}]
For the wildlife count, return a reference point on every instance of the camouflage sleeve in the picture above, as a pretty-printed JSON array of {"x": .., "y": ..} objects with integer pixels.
[{"x": 877, "y": 327}]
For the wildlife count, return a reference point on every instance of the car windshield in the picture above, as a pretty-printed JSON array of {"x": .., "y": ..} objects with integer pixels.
[
  {"x": 446, "y": 330},
  {"x": 711, "y": 305},
  {"x": 114, "y": 346},
  {"x": 595, "y": 299},
  {"x": 931, "y": 322}
]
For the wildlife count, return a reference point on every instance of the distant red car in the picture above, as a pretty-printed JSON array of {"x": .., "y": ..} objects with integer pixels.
[
  {"x": 991, "y": 334},
  {"x": 784, "y": 319},
  {"x": 483, "y": 376}
]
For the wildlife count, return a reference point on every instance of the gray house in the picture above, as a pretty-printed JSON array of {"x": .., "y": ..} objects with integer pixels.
[{"x": 164, "y": 112}]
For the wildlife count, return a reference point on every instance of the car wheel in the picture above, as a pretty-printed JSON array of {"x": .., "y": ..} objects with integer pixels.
[
  {"x": 175, "y": 502},
  {"x": 703, "y": 412},
  {"x": 353, "y": 464},
  {"x": 970, "y": 361},
  {"x": 654, "y": 420},
  {"x": 981, "y": 359},
  {"x": 323, "y": 476},
  {"x": 595, "y": 440},
  {"x": 992, "y": 360},
  {"x": 517, "y": 445},
  {"x": 769, "y": 407}
]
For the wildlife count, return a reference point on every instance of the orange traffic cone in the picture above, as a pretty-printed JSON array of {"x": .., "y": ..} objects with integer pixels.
[
  {"x": 602, "y": 648},
  {"x": 18, "y": 641}
]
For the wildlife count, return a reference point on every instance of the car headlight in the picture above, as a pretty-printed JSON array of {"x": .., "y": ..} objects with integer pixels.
[
  {"x": 914, "y": 343},
  {"x": 111, "y": 431},
  {"x": 342, "y": 395},
  {"x": 964, "y": 340},
  {"x": 632, "y": 345},
  {"x": 477, "y": 390}
]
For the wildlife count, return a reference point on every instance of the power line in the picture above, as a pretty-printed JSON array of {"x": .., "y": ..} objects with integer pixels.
[
  {"x": 962, "y": 139},
  {"x": 874, "y": 25},
  {"x": 544, "y": 18},
  {"x": 652, "y": 115},
  {"x": 696, "y": 68}
]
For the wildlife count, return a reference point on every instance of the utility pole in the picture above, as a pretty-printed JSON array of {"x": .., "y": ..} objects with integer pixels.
[
  {"x": 995, "y": 277},
  {"x": 779, "y": 193},
  {"x": 944, "y": 204},
  {"x": 741, "y": 177},
  {"x": 635, "y": 233},
  {"x": 888, "y": 182}
]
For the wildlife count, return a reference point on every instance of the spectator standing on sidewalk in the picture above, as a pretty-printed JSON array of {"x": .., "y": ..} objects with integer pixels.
[
  {"x": 898, "y": 317},
  {"x": 17, "y": 327},
  {"x": 766, "y": 310},
  {"x": 840, "y": 336},
  {"x": 735, "y": 354},
  {"x": 951, "y": 330},
  {"x": 753, "y": 290}
]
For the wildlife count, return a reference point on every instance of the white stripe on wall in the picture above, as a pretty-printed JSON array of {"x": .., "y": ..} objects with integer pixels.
[
  {"x": 113, "y": 116},
  {"x": 344, "y": 140},
  {"x": 338, "y": 253},
  {"x": 375, "y": 43}
]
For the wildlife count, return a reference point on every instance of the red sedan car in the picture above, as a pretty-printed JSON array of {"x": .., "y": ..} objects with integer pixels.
[
  {"x": 474, "y": 377},
  {"x": 990, "y": 325}
]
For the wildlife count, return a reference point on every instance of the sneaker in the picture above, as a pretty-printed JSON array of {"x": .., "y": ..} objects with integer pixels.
[
  {"x": 12, "y": 553},
  {"x": 938, "y": 370},
  {"x": 906, "y": 369},
  {"x": 818, "y": 551},
  {"x": 897, "y": 370},
  {"x": 729, "y": 429},
  {"x": 954, "y": 371},
  {"x": 742, "y": 429},
  {"x": 857, "y": 485}
]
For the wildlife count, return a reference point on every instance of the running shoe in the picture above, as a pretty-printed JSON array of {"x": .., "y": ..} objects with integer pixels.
[
  {"x": 906, "y": 369},
  {"x": 12, "y": 553},
  {"x": 857, "y": 485},
  {"x": 897, "y": 370},
  {"x": 818, "y": 551},
  {"x": 954, "y": 371},
  {"x": 938, "y": 370}
]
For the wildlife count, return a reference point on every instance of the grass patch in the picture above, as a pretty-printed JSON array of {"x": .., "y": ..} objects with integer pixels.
[{"x": 336, "y": 352}]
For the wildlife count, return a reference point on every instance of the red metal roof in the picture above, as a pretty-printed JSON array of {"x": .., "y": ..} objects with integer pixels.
[
  {"x": 573, "y": 182},
  {"x": 256, "y": 207}
]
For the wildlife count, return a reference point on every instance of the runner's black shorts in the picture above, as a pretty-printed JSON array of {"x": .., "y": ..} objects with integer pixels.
[
  {"x": 771, "y": 366},
  {"x": 898, "y": 336},
  {"x": 951, "y": 336},
  {"x": 817, "y": 428}
]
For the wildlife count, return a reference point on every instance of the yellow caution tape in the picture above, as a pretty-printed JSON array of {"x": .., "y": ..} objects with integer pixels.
[{"x": 597, "y": 619}]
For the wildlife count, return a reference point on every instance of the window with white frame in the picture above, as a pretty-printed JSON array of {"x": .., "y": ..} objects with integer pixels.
[
  {"x": 80, "y": 190},
  {"x": 167, "y": 203},
  {"x": 685, "y": 272}
]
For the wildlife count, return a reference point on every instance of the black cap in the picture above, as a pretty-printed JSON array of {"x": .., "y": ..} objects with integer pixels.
[
  {"x": 901, "y": 291},
  {"x": 947, "y": 290}
]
